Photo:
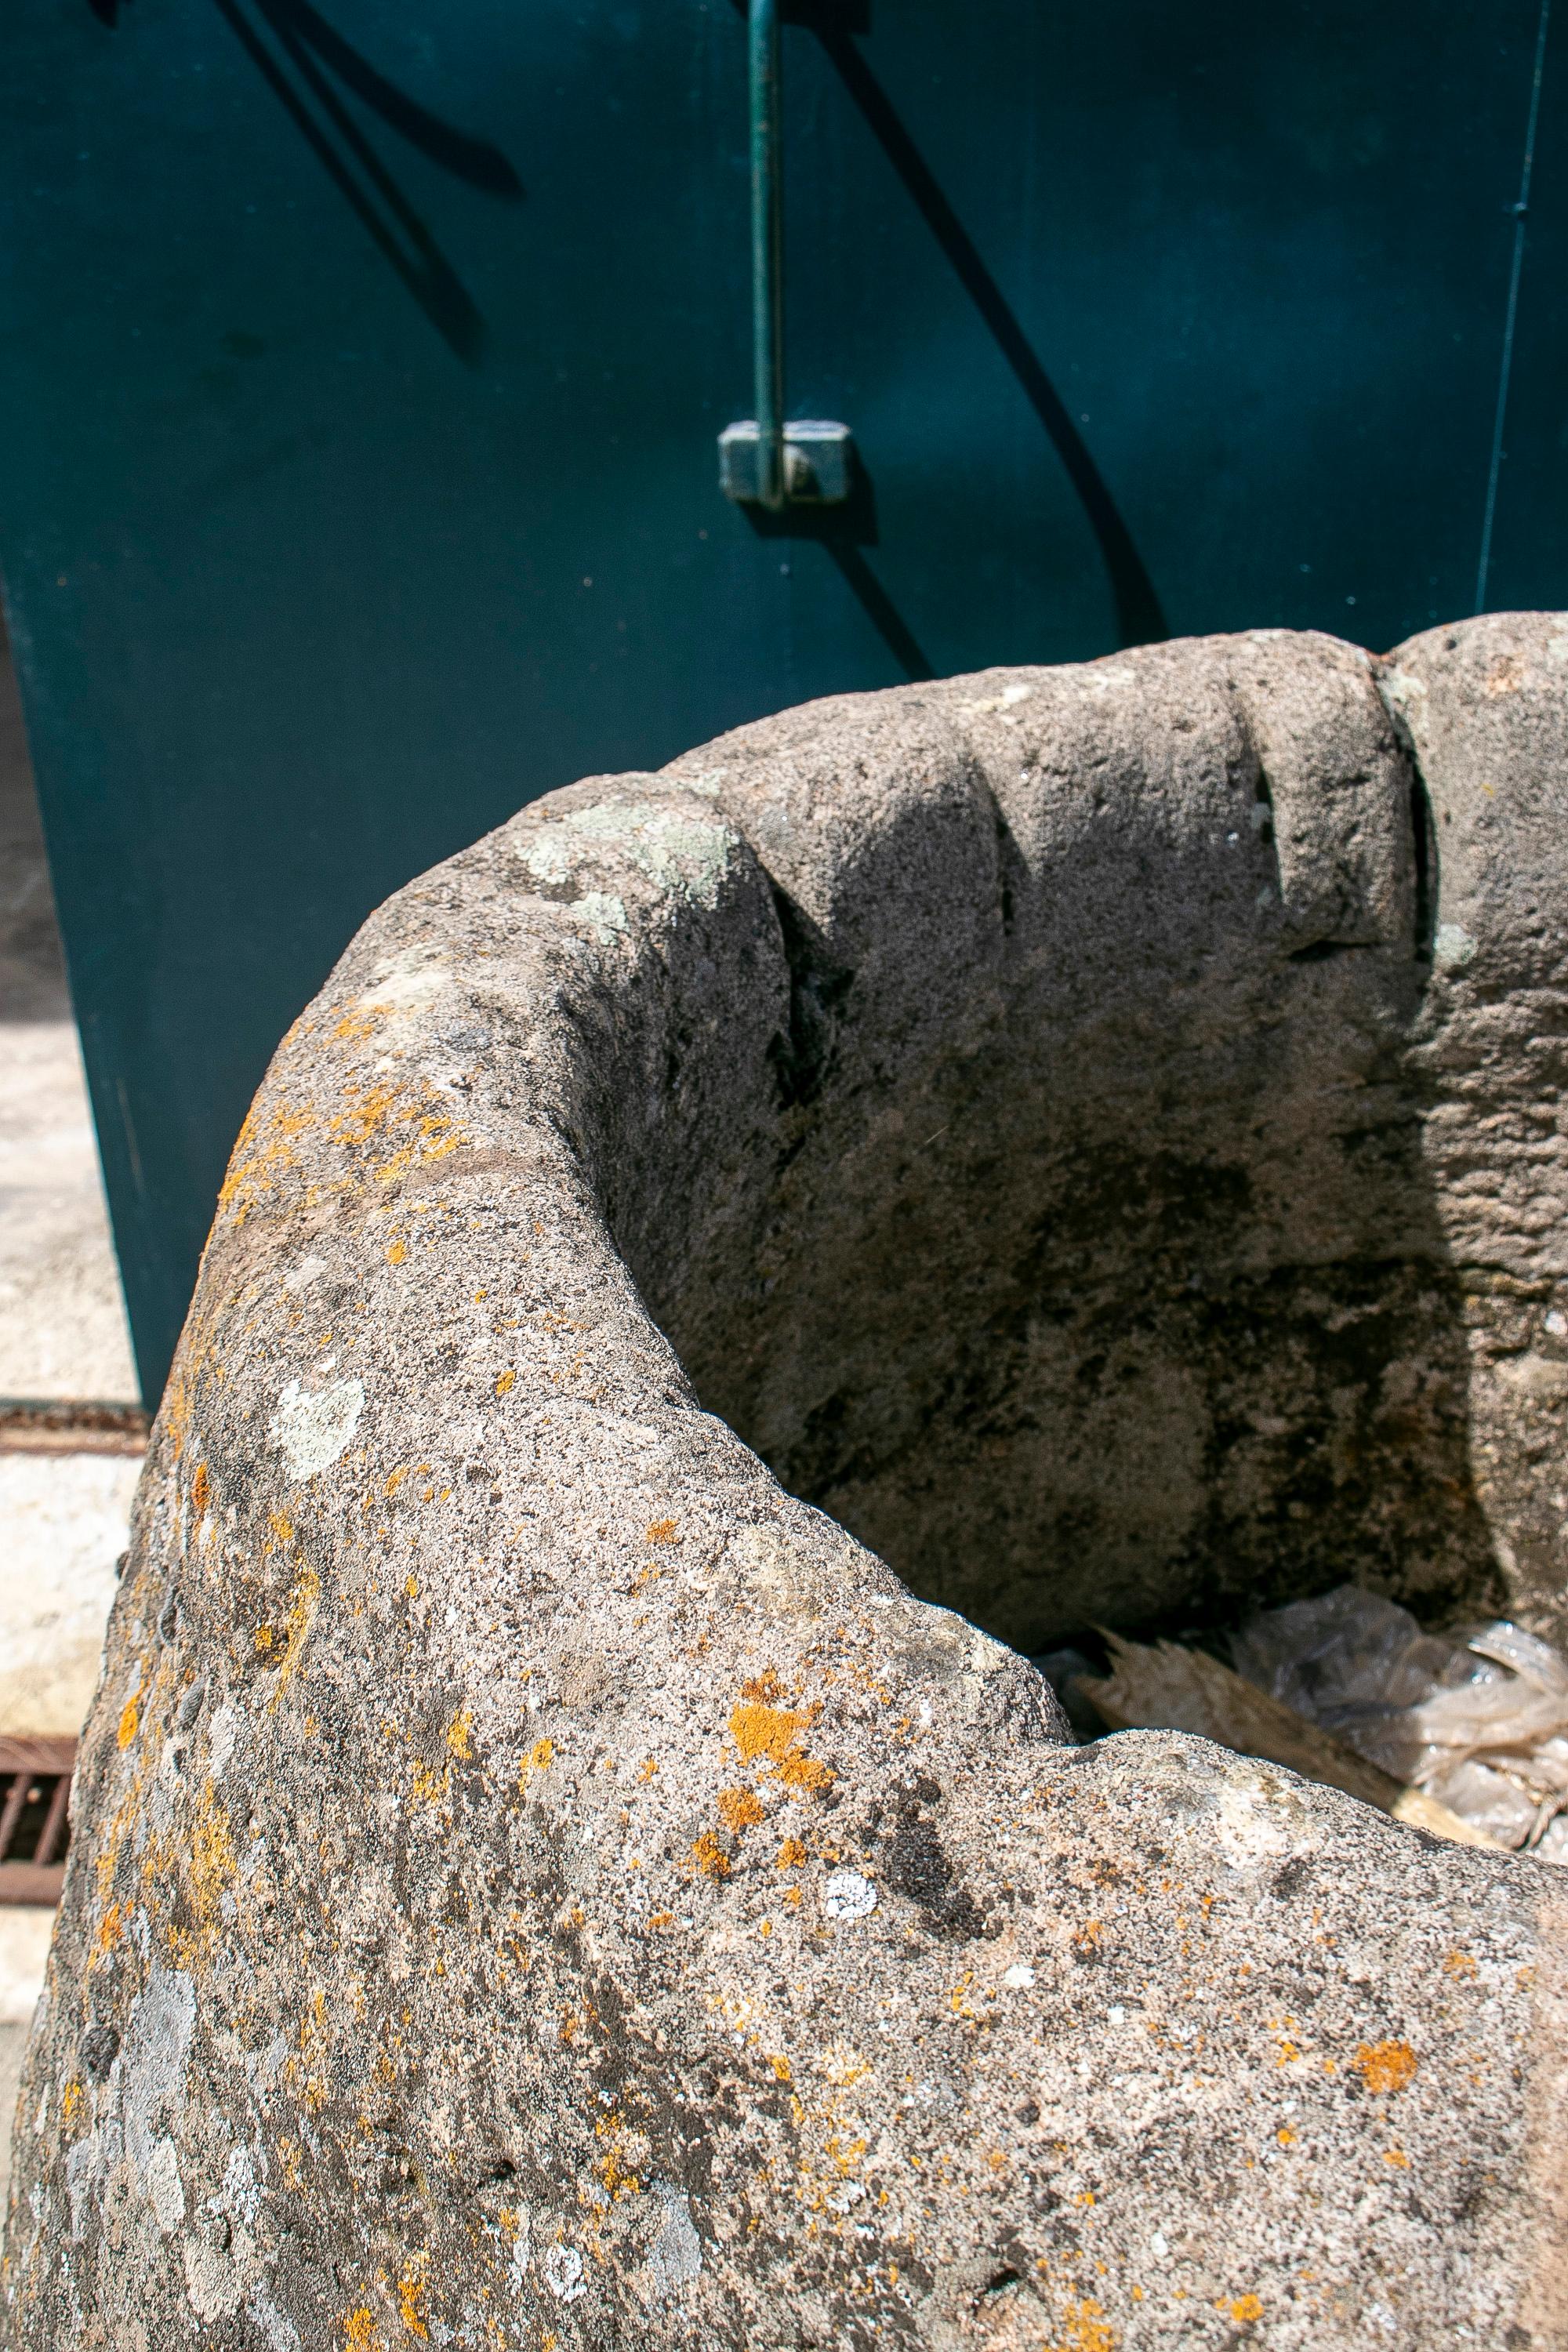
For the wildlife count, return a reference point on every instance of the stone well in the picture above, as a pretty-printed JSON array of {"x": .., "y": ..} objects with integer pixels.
[{"x": 568, "y": 1850}]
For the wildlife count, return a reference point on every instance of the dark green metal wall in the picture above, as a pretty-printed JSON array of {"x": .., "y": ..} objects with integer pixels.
[{"x": 361, "y": 368}]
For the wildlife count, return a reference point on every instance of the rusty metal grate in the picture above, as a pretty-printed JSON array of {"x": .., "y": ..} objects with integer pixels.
[
  {"x": 59, "y": 1425},
  {"x": 35, "y": 1790}
]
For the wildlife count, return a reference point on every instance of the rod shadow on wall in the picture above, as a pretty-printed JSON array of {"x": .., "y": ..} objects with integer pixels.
[
  {"x": 1139, "y": 619},
  {"x": 306, "y": 43},
  {"x": 842, "y": 531}
]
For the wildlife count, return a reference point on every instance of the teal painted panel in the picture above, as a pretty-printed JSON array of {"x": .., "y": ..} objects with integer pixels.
[{"x": 364, "y": 366}]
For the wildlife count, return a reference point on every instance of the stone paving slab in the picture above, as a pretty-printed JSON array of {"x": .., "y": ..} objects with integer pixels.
[
  {"x": 62, "y": 1320},
  {"x": 65, "y": 1519}
]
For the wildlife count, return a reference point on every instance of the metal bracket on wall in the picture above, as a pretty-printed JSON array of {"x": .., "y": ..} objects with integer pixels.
[{"x": 763, "y": 461}]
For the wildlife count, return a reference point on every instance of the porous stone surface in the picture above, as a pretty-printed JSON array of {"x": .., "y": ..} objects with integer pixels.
[{"x": 1085, "y": 1140}]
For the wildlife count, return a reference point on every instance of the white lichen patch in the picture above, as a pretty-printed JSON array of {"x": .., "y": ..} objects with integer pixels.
[
  {"x": 681, "y": 854},
  {"x": 312, "y": 1427},
  {"x": 279, "y": 2333},
  {"x": 675, "y": 2257},
  {"x": 1452, "y": 947},
  {"x": 1403, "y": 688},
  {"x": 564, "y": 2272},
  {"x": 131, "y": 2148},
  {"x": 220, "y": 2254},
  {"x": 164, "y": 2187},
  {"x": 605, "y": 915},
  {"x": 407, "y": 983},
  {"x": 1260, "y": 1817},
  {"x": 1003, "y": 701},
  {"x": 848, "y": 1896}
]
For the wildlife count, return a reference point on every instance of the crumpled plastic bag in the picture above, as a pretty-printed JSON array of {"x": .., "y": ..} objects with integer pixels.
[
  {"x": 1163, "y": 1687},
  {"x": 1478, "y": 1719}
]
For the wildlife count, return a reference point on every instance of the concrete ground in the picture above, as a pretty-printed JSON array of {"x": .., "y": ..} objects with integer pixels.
[
  {"x": 63, "y": 1512},
  {"x": 62, "y": 1321}
]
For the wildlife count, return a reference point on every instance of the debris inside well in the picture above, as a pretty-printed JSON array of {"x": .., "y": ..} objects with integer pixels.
[{"x": 1464, "y": 1734}]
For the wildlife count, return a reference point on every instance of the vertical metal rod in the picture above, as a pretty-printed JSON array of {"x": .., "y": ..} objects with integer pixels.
[
  {"x": 767, "y": 241},
  {"x": 54, "y": 1821},
  {"x": 11, "y": 1811}
]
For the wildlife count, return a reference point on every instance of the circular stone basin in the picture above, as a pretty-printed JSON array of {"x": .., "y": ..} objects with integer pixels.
[{"x": 568, "y": 1850}]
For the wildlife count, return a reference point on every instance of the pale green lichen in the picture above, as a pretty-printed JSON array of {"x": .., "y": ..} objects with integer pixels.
[
  {"x": 680, "y": 853},
  {"x": 604, "y": 914},
  {"x": 1453, "y": 947}
]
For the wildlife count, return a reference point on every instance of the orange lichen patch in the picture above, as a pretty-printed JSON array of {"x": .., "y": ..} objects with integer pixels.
[
  {"x": 505, "y": 1382},
  {"x": 618, "y": 2179},
  {"x": 201, "y": 1491},
  {"x": 1396, "y": 2157},
  {"x": 130, "y": 1717},
  {"x": 1285, "y": 2136},
  {"x": 70, "y": 2103},
  {"x": 357, "y": 1025},
  {"x": 780, "y": 2065},
  {"x": 263, "y": 1637},
  {"x": 1087, "y": 1937},
  {"x": 212, "y": 1860},
  {"x": 112, "y": 1837},
  {"x": 843, "y": 2067},
  {"x": 110, "y": 1927},
  {"x": 539, "y": 1758},
  {"x": 662, "y": 1531},
  {"x": 255, "y": 1165},
  {"x": 958, "y": 2000},
  {"x": 282, "y": 1528},
  {"x": 792, "y": 1855},
  {"x": 394, "y": 1479},
  {"x": 710, "y": 1856},
  {"x": 194, "y": 1358},
  {"x": 1459, "y": 1964},
  {"x": 768, "y": 1736},
  {"x": 1385, "y": 2066},
  {"x": 370, "y": 1110},
  {"x": 1088, "y": 2329},
  {"x": 361, "y": 2332},
  {"x": 396, "y": 1251},
  {"x": 648, "y": 1768},
  {"x": 740, "y": 1808},
  {"x": 436, "y": 1138},
  {"x": 410, "y": 2294},
  {"x": 457, "y": 1732},
  {"x": 374, "y": 1111},
  {"x": 297, "y": 1624}
]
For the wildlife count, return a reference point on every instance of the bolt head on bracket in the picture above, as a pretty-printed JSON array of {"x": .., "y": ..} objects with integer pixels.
[{"x": 818, "y": 463}]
